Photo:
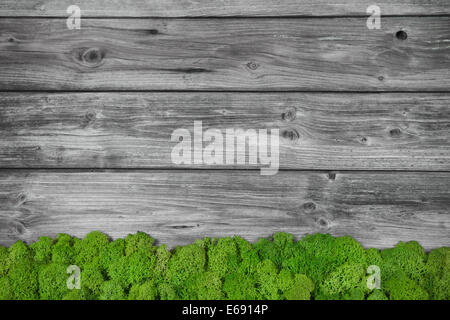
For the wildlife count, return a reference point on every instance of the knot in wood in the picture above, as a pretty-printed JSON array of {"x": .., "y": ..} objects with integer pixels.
[
  {"x": 289, "y": 115},
  {"x": 309, "y": 207},
  {"x": 90, "y": 116},
  {"x": 91, "y": 57},
  {"x": 395, "y": 133},
  {"x": 21, "y": 198},
  {"x": 292, "y": 135},
  {"x": 323, "y": 223},
  {"x": 88, "y": 119},
  {"x": 252, "y": 65}
]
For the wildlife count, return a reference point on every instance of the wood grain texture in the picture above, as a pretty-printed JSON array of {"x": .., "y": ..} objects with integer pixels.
[
  {"x": 317, "y": 131},
  {"x": 225, "y": 54},
  {"x": 200, "y": 8},
  {"x": 177, "y": 207}
]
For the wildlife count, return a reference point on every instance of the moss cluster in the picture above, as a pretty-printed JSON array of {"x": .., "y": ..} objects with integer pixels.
[{"x": 317, "y": 266}]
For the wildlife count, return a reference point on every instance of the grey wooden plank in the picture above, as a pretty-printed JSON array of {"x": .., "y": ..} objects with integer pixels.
[
  {"x": 390, "y": 131},
  {"x": 225, "y": 54},
  {"x": 176, "y": 207},
  {"x": 176, "y": 8}
]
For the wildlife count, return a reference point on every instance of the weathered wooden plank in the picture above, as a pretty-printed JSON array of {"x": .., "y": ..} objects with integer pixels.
[
  {"x": 232, "y": 54},
  {"x": 200, "y": 8},
  {"x": 378, "y": 209},
  {"x": 316, "y": 130}
]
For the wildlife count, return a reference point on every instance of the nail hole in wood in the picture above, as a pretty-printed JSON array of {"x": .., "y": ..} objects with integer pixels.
[
  {"x": 395, "y": 133},
  {"x": 331, "y": 176},
  {"x": 401, "y": 35}
]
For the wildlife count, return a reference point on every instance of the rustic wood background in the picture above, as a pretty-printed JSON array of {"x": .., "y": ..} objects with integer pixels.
[{"x": 86, "y": 117}]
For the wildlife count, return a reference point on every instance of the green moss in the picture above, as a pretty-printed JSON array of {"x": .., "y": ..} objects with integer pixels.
[
  {"x": 344, "y": 279},
  {"x": 207, "y": 286},
  {"x": 162, "y": 260},
  {"x": 167, "y": 292},
  {"x": 377, "y": 295},
  {"x": 4, "y": 261},
  {"x": 138, "y": 241},
  {"x": 112, "y": 252},
  {"x": 408, "y": 258},
  {"x": 400, "y": 287},
  {"x": 119, "y": 272},
  {"x": 6, "y": 291},
  {"x": 42, "y": 250},
  {"x": 145, "y": 291},
  {"x": 295, "y": 287},
  {"x": 354, "y": 294},
  {"x": 112, "y": 290},
  {"x": 88, "y": 249},
  {"x": 373, "y": 257},
  {"x": 223, "y": 257},
  {"x": 92, "y": 279},
  {"x": 348, "y": 250},
  {"x": 437, "y": 280},
  {"x": 78, "y": 294},
  {"x": 186, "y": 263},
  {"x": 63, "y": 251},
  {"x": 140, "y": 266},
  {"x": 19, "y": 254},
  {"x": 23, "y": 279},
  {"x": 53, "y": 282},
  {"x": 249, "y": 259},
  {"x": 22, "y": 273},
  {"x": 314, "y": 256},
  {"x": 440, "y": 288},
  {"x": 268, "y": 280},
  {"x": 317, "y": 267},
  {"x": 237, "y": 286}
]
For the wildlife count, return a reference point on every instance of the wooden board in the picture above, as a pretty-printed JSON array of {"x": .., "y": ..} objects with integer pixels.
[
  {"x": 317, "y": 131},
  {"x": 176, "y": 207},
  {"x": 363, "y": 116},
  {"x": 200, "y": 8},
  {"x": 338, "y": 54}
]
